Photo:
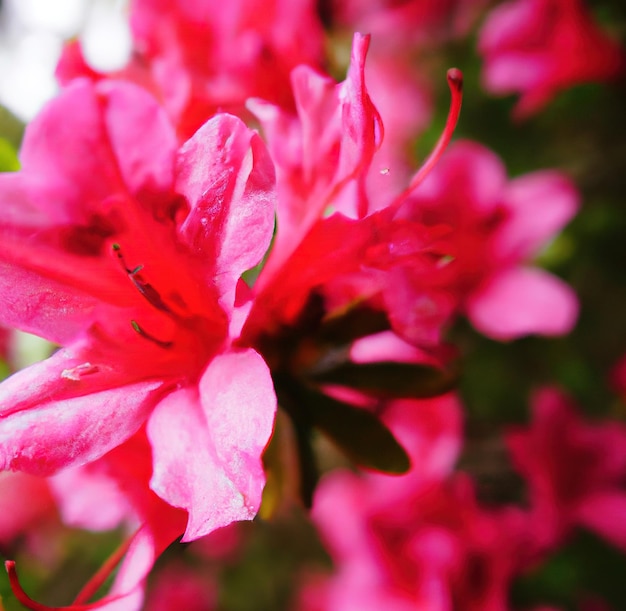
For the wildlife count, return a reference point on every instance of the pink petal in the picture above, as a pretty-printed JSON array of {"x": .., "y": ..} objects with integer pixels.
[
  {"x": 141, "y": 136},
  {"x": 31, "y": 302},
  {"x": 88, "y": 498},
  {"x": 521, "y": 301},
  {"x": 227, "y": 176},
  {"x": 66, "y": 411},
  {"x": 539, "y": 205},
  {"x": 469, "y": 179},
  {"x": 207, "y": 443},
  {"x": 72, "y": 185},
  {"x": 25, "y": 501},
  {"x": 605, "y": 514}
]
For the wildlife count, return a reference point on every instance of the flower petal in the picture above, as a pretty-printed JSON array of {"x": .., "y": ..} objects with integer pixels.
[
  {"x": 517, "y": 302},
  {"x": 227, "y": 176},
  {"x": 539, "y": 205},
  {"x": 142, "y": 138},
  {"x": 207, "y": 446},
  {"x": 66, "y": 411},
  {"x": 605, "y": 514}
]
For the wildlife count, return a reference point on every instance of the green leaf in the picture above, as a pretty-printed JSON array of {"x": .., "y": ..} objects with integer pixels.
[
  {"x": 358, "y": 432},
  {"x": 11, "y": 127},
  {"x": 355, "y": 322},
  {"x": 388, "y": 380},
  {"x": 8, "y": 157}
]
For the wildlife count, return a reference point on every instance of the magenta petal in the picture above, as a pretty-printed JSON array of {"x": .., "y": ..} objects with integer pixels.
[
  {"x": 66, "y": 411},
  {"x": 207, "y": 443},
  {"x": 538, "y": 206},
  {"x": 520, "y": 301},
  {"x": 227, "y": 176},
  {"x": 605, "y": 514},
  {"x": 70, "y": 185},
  {"x": 141, "y": 136},
  {"x": 88, "y": 498}
]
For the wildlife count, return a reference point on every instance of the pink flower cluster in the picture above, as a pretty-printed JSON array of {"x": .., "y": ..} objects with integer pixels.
[
  {"x": 221, "y": 228},
  {"x": 426, "y": 540}
]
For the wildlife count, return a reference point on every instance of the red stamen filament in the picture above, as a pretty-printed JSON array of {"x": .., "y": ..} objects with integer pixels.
[
  {"x": 455, "y": 83},
  {"x": 155, "y": 340},
  {"x": 95, "y": 583},
  {"x": 85, "y": 594},
  {"x": 150, "y": 294}
]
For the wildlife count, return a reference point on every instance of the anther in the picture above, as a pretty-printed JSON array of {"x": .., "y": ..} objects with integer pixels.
[
  {"x": 155, "y": 340},
  {"x": 145, "y": 288}
]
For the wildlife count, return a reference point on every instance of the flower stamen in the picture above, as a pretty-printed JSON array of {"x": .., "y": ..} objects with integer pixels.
[
  {"x": 455, "y": 83},
  {"x": 155, "y": 340},
  {"x": 151, "y": 295}
]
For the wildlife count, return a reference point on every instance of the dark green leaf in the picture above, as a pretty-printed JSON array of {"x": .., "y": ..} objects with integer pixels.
[
  {"x": 359, "y": 433},
  {"x": 389, "y": 379},
  {"x": 356, "y": 322}
]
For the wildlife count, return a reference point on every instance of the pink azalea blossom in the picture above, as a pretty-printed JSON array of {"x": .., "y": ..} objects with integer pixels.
[
  {"x": 25, "y": 502},
  {"x": 333, "y": 241},
  {"x": 575, "y": 470},
  {"x": 210, "y": 57},
  {"x": 127, "y": 250},
  {"x": 420, "y": 540},
  {"x": 180, "y": 587},
  {"x": 120, "y": 478},
  {"x": 539, "y": 47},
  {"x": 495, "y": 226},
  {"x": 409, "y": 23}
]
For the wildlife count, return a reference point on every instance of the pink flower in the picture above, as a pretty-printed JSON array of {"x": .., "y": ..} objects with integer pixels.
[
  {"x": 575, "y": 470},
  {"x": 540, "y": 47},
  {"x": 427, "y": 546},
  {"x": 180, "y": 587},
  {"x": 409, "y": 23},
  {"x": 420, "y": 540},
  {"x": 108, "y": 493},
  {"x": 25, "y": 502},
  {"x": 127, "y": 251},
  {"x": 331, "y": 240},
  {"x": 491, "y": 229},
  {"x": 211, "y": 57}
]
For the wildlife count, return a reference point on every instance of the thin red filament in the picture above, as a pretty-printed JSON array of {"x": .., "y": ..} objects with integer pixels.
[
  {"x": 85, "y": 594},
  {"x": 455, "y": 83}
]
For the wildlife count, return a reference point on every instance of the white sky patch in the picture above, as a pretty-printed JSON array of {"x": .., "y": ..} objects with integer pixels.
[
  {"x": 107, "y": 41},
  {"x": 32, "y": 33},
  {"x": 61, "y": 17}
]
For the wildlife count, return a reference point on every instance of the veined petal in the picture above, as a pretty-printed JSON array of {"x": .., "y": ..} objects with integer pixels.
[
  {"x": 520, "y": 301},
  {"x": 227, "y": 176},
  {"x": 142, "y": 139},
  {"x": 66, "y": 411},
  {"x": 66, "y": 148},
  {"x": 207, "y": 443}
]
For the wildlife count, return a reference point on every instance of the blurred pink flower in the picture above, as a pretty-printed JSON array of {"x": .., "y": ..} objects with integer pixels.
[
  {"x": 427, "y": 546},
  {"x": 210, "y": 56},
  {"x": 419, "y": 540},
  {"x": 178, "y": 586},
  {"x": 409, "y": 23},
  {"x": 25, "y": 502},
  {"x": 537, "y": 48},
  {"x": 576, "y": 471},
  {"x": 491, "y": 228}
]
